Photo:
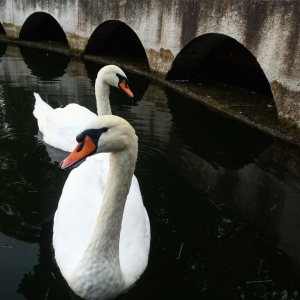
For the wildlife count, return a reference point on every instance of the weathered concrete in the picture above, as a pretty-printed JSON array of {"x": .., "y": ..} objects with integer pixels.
[{"x": 268, "y": 29}]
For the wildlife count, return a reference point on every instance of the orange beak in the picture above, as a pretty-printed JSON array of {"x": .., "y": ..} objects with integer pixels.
[
  {"x": 82, "y": 150},
  {"x": 125, "y": 87}
]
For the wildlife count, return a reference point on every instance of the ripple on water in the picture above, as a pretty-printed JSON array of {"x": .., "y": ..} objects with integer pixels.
[{"x": 151, "y": 153}]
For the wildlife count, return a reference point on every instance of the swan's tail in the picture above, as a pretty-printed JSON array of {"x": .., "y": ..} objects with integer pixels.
[{"x": 41, "y": 108}]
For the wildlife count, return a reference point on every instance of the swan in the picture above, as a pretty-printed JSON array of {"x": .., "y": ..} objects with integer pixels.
[
  {"x": 101, "y": 232},
  {"x": 60, "y": 125}
]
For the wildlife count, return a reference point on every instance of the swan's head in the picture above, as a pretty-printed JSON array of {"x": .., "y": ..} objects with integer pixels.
[
  {"x": 103, "y": 134},
  {"x": 114, "y": 76}
]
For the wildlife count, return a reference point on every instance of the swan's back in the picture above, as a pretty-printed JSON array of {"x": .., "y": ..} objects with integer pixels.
[{"x": 61, "y": 125}]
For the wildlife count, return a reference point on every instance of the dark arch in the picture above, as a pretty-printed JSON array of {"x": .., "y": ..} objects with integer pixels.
[
  {"x": 115, "y": 38},
  {"x": 41, "y": 26},
  {"x": 2, "y": 30},
  {"x": 219, "y": 57}
]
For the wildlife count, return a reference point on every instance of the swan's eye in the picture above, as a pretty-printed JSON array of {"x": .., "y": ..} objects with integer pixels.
[{"x": 104, "y": 129}]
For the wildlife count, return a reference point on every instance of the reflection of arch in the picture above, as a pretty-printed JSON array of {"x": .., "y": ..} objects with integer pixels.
[
  {"x": 2, "y": 31},
  {"x": 41, "y": 26},
  {"x": 229, "y": 144},
  {"x": 45, "y": 278},
  {"x": 220, "y": 57},
  {"x": 41, "y": 63},
  {"x": 3, "y": 47},
  {"x": 115, "y": 38}
]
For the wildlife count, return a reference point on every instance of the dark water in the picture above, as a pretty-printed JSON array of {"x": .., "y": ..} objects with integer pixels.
[{"x": 223, "y": 199}]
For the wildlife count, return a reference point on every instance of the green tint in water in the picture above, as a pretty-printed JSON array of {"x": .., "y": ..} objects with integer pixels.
[{"x": 223, "y": 199}]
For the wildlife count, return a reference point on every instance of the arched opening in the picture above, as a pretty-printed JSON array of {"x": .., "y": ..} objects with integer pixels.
[
  {"x": 115, "y": 38},
  {"x": 41, "y": 26},
  {"x": 2, "y": 30},
  {"x": 219, "y": 57}
]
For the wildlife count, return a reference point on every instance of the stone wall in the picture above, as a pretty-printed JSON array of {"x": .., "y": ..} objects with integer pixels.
[{"x": 269, "y": 29}]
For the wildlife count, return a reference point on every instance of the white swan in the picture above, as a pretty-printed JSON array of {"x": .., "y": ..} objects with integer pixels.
[
  {"x": 59, "y": 126},
  {"x": 101, "y": 241}
]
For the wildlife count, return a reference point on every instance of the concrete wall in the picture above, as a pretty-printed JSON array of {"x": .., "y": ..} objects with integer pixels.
[{"x": 269, "y": 29}]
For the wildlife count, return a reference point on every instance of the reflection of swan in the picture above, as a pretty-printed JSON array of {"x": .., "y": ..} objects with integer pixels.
[
  {"x": 59, "y": 126},
  {"x": 100, "y": 251}
]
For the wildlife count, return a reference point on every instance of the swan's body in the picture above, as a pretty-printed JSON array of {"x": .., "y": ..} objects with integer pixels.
[
  {"x": 100, "y": 250},
  {"x": 59, "y": 126}
]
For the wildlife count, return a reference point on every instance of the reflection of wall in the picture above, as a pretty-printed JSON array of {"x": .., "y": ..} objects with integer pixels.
[
  {"x": 262, "y": 192},
  {"x": 17, "y": 258},
  {"x": 45, "y": 277},
  {"x": 152, "y": 121},
  {"x": 283, "y": 162},
  {"x": 154, "y": 110},
  {"x": 265, "y": 193},
  {"x": 19, "y": 71},
  {"x": 262, "y": 188},
  {"x": 26, "y": 181}
]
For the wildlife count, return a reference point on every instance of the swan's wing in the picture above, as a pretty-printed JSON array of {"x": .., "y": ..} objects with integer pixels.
[
  {"x": 41, "y": 111},
  {"x": 41, "y": 108},
  {"x": 135, "y": 235},
  {"x": 77, "y": 211},
  {"x": 61, "y": 125}
]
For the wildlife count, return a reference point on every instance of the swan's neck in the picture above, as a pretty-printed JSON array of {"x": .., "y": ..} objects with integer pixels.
[
  {"x": 102, "y": 90},
  {"x": 101, "y": 259}
]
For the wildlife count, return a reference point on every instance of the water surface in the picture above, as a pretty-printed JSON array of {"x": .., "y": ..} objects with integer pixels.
[{"x": 223, "y": 198}]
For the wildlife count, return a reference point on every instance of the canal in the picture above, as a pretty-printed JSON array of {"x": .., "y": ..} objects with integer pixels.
[{"x": 223, "y": 198}]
